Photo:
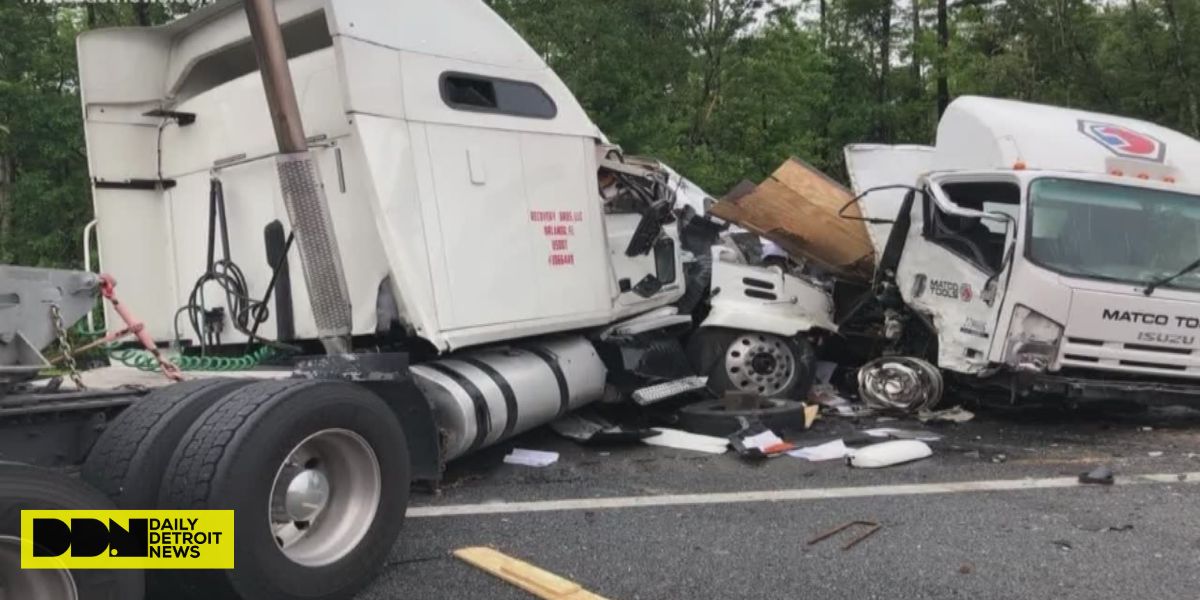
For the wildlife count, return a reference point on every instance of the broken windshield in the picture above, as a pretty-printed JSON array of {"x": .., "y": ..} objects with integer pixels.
[{"x": 1113, "y": 232}]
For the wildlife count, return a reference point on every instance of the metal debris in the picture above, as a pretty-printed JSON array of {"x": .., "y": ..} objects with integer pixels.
[
  {"x": 871, "y": 526},
  {"x": 1099, "y": 475},
  {"x": 957, "y": 414},
  {"x": 900, "y": 383},
  {"x": 531, "y": 458}
]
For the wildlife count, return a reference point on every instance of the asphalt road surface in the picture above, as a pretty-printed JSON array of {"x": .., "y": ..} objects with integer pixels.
[{"x": 995, "y": 513}]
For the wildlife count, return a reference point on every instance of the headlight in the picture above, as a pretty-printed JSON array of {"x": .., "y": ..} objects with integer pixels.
[{"x": 1033, "y": 340}]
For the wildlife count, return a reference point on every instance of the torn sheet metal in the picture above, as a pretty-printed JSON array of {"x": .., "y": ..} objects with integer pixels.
[
  {"x": 588, "y": 428},
  {"x": 875, "y": 165}
]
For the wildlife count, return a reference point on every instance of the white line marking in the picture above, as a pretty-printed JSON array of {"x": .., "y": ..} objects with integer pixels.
[{"x": 914, "y": 489}]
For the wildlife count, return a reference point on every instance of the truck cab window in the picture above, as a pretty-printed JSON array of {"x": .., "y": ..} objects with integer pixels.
[
  {"x": 478, "y": 93},
  {"x": 980, "y": 241}
]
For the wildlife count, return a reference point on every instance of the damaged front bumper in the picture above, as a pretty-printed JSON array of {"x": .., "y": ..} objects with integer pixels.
[{"x": 1079, "y": 388}]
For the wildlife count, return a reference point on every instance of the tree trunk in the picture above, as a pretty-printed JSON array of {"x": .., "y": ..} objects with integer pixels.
[
  {"x": 6, "y": 177},
  {"x": 823, "y": 9},
  {"x": 141, "y": 12},
  {"x": 916, "y": 43},
  {"x": 943, "y": 33},
  {"x": 885, "y": 67},
  {"x": 1182, "y": 70}
]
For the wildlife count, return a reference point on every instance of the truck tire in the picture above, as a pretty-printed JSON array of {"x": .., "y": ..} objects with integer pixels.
[
  {"x": 710, "y": 417},
  {"x": 128, "y": 461},
  {"x": 317, "y": 473},
  {"x": 22, "y": 488},
  {"x": 763, "y": 364}
]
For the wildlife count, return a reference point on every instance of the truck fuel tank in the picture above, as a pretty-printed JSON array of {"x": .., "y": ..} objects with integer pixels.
[{"x": 485, "y": 396}]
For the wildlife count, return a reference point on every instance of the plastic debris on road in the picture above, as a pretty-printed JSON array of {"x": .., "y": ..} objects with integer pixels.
[
  {"x": 531, "y": 458},
  {"x": 1102, "y": 475},
  {"x": 682, "y": 440},
  {"x": 957, "y": 414},
  {"x": 828, "y": 451},
  {"x": 901, "y": 434},
  {"x": 586, "y": 427},
  {"x": 887, "y": 454}
]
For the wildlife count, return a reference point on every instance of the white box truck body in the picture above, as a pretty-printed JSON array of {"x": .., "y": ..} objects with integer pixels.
[{"x": 1033, "y": 243}]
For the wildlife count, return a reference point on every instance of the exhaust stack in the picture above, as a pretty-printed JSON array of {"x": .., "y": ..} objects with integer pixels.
[{"x": 300, "y": 183}]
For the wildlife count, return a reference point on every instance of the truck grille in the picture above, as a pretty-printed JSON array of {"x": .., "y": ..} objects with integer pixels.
[{"x": 1130, "y": 358}]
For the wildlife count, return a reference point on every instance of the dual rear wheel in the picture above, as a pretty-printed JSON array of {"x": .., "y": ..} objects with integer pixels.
[{"x": 316, "y": 472}]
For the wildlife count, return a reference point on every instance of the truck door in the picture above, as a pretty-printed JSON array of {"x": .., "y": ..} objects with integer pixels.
[{"x": 955, "y": 263}]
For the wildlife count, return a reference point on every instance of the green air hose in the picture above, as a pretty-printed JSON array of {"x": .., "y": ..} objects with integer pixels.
[{"x": 143, "y": 360}]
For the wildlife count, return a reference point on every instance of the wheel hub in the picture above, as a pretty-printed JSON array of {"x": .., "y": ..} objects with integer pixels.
[
  {"x": 324, "y": 497},
  {"x": 763, "y": 363},
  {"x": 31, "y": 583},
  {"x": 307, "y": 494},
  {"x": 760, "y": 363}
]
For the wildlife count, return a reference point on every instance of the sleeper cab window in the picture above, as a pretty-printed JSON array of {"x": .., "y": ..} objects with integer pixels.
[{"x": 477, "y": 93}]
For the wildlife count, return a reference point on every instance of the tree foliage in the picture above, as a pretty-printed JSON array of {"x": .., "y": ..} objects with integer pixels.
[{"x": 722, "y": 90}]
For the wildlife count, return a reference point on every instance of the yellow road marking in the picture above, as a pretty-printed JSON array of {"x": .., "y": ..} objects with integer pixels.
[{"x": 539, "y": 582}]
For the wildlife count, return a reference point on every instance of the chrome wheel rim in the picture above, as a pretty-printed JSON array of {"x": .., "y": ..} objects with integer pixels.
[
  {"x": 900, "y": 383},
  {"x": 324, "y": 497},
  {"x": 760, "y": 363},
  {"x": 19, "y": 584}
]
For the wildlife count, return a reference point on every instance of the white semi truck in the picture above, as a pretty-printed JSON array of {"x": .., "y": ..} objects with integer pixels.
[
  {"x": 417, "y": 198},
  {"x": 1033, "y": 251}
]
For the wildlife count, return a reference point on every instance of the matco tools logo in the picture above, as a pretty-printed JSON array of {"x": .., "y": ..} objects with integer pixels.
[
  {"x": 127, "y": 539},
  {"x": 1123, "y": 141}
]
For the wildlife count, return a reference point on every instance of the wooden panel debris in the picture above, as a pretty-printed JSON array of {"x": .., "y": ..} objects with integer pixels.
[
  {"x": 797, "y": 208},
  {"x": 538, "y": 582}
]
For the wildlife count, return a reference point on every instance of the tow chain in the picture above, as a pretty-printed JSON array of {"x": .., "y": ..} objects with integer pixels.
[{"x": 64, "y": 344}]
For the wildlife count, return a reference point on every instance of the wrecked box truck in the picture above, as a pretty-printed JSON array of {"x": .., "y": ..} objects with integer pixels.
[
  {"x": 399, "y": 237},
  {"x": 1034, "y": 251}
]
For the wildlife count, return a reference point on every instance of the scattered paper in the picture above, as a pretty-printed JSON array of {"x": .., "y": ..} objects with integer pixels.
[
  {"x": 957, "y": 414},
  {"x": 828, "y": 451},
  {"x": 902, "y": 434},
  {"x": 682, "y": 440},
  {"x": 763, "y": 440},
  {"x": 1155, "y": 454},
  {"x": 531, "y": 458}
]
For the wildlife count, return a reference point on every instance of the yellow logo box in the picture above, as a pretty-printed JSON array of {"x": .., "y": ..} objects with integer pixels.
[{"x": 127, "y": 539}]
